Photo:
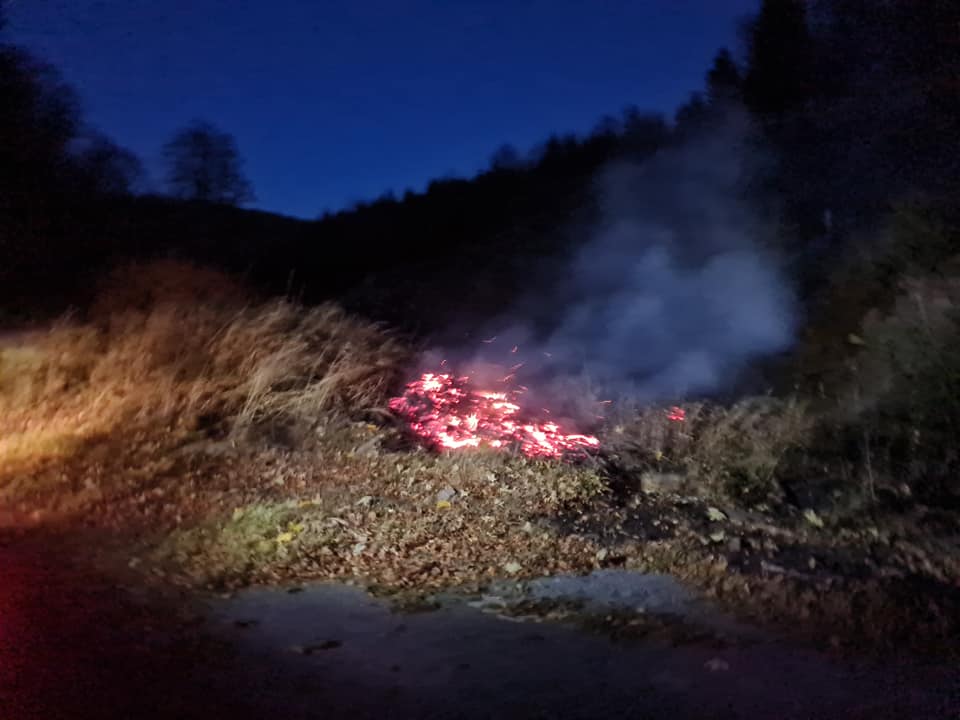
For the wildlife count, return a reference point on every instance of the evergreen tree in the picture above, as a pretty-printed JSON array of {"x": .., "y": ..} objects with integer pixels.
[{"x": 724, "y": 82}]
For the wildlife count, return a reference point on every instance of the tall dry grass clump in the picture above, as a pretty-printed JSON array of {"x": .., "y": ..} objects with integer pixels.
[
  {"x": 185, "y": 349},
  {"x": 291, "y": 364}
]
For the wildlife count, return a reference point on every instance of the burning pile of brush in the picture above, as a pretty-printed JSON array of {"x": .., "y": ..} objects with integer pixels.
[
  {"x": 448, "y": 412},
  {"x": 486, "y": 406}
]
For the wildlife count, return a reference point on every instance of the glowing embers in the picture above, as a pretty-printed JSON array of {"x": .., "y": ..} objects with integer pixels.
[{"x": 446, "y": 412}]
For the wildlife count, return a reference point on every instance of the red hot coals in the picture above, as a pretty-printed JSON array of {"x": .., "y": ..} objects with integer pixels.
[{"x": 448, "y": 413}]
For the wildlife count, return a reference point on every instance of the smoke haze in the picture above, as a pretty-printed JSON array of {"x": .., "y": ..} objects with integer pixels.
[{"x": 671, "y": 295}]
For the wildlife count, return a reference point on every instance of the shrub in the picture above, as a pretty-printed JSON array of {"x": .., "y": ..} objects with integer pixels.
[
  {"x": 906, "y": 388},
  {"x": 922, "y": 238},
  {"x": 145, "y": 286},
  {"x": 734, "y": 451},
  {"x": 915, "y": 240},
  {"x": 743, "y": 445}
]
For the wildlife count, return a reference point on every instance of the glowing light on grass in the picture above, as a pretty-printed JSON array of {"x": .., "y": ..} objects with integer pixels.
[
  {"x": 448, "y": 413},
  {"x": 677, "y": 414}
]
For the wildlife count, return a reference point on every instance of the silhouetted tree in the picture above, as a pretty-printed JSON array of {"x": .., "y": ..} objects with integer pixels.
[
  {"x": 861, "y": 97},
  {"x": 107, "y": 168},
  {"x": 505, "y": 157},
  {"x": 556, "y": 150},
  {"x": 778, "y": 58},
  {"x": 724, "y": 82},
  {"x": 204, "y": 164},
  {"x": 692, "y": 116},
  {"x": 39, "y": 118},
  {"x": 608, "y": 125},
  {"x": 643, "y": 132}
]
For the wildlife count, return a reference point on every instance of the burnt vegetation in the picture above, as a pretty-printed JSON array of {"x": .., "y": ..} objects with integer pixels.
[{"x": 859, "y": 102}]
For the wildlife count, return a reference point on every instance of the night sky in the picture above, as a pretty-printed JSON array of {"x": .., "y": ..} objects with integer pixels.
[{"x": 335, "y": 102}]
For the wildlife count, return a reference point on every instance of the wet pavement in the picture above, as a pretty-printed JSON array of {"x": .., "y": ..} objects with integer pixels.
[{"x": 75, "y": 645}]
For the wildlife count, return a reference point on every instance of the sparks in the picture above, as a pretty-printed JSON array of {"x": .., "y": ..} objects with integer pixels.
[{"x": 446, "y": 412}]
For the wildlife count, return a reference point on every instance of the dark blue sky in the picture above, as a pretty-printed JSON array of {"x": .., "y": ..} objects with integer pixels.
[{"x": 334, "y": 102}]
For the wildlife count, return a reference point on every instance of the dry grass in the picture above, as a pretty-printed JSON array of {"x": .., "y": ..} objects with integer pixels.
[
  {"x": 297, "y": 363},
  {"x": 174, "y": 365},
  {"x": 733, "y": 450}
]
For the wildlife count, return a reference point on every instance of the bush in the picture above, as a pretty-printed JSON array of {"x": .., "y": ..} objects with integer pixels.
[
  {"x": 734, "y": 451},
  {"x": 145, "y": 286},
  {"x": 916, "y": 240},
  {"x": 922, "y": 238},
  {"x": 906, "y": 389}
]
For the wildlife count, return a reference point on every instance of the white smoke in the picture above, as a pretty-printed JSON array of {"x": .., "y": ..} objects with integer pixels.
[{"x": 673, "y": 294}]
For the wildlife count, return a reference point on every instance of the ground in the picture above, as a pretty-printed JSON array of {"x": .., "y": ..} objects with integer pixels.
[
  {"x": 82, "y": 644},
  {"x": 212, "y": 517},
  {"x": 205, "y": 448}
]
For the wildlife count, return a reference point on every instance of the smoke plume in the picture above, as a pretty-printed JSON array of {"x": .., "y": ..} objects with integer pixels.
[{"x": 671, "y": 295}]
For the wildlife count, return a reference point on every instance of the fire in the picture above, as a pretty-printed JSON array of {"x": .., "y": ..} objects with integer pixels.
[
  {"x": 677, "y": 414},
  {"x": 447, "y": 412}
]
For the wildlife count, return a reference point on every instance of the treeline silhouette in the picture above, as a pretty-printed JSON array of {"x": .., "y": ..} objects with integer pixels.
[{"x": 858, "y": 98}]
